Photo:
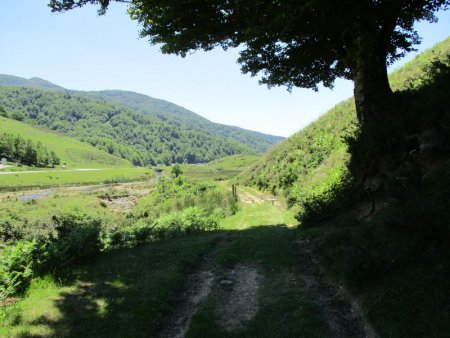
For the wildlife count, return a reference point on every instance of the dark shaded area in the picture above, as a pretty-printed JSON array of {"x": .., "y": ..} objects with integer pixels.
[
  {"x": 385, "y": 232},
  {"x": 125, "y": 293}
]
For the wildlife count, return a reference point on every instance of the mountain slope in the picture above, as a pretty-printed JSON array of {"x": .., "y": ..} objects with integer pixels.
[
  {"x": 74, "y": 153},
  {"x": 174, "y": 114},
  {"x": 313, "y": 160},
  {"x": 120, "y": 131},
  {"x": 165, "y": 111}
]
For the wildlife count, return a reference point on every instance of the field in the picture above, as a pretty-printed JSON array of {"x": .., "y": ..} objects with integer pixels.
[
  {"x": 57, "y": 178},
  {"x": 114, "y": 296},
  {"x": 221, "y": 169},
  {"x": 74, "y": 153}
]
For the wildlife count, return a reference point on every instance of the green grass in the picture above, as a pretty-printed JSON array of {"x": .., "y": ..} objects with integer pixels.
[
  {"x": 285, "y": 307},
  {"x": 124, "y": 293},
  {"x": 73, "y": 152},
  {"x": 234, "y": 162},
  {"x": 23, "y": 180},
  {"x": 258, "y": 214},
  {"x": 132, "y": 292},
  {"x": 218, "y": 170}
]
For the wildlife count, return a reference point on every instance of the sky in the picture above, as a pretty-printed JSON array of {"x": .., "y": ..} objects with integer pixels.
[{"x": 80, "y": 50}]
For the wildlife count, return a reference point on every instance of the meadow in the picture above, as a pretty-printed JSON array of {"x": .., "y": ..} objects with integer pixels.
[
  {"x": 74, "y": 153},
  {"x": 57, "y": 178},
  {"x": 113, "y": 295}
]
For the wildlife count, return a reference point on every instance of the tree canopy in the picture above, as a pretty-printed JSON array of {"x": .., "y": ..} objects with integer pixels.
[{"x": 290, "y": 42}]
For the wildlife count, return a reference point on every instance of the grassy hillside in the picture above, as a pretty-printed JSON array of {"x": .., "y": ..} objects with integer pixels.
[
  {"x": 73, "y": 152},
  {"x": 313, "y": 160}
]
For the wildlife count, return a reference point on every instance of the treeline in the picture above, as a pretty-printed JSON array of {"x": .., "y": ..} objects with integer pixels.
[
  {"x": 17, "y": 149},
  {"x": 120, "y": 131}
]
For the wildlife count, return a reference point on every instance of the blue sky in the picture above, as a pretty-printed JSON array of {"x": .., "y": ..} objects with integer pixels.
[{"x": 79, "y": 50}]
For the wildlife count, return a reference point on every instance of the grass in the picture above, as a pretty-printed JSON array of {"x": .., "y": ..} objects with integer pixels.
[
  {"x": 74, "y": 153},
  {"x": 24, "y": 181},
  {"x": 124, "y": 293},
  {"x": 234, "y": 162},
  {"x": 132, "y": 292},
  {"x": 37, "y": 213},
  {"x": 285, "y": 307},
  {"x": 218, "y": 170}
]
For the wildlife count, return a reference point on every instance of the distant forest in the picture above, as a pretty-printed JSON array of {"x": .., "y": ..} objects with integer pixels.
[{"x": 116, "y": 129}]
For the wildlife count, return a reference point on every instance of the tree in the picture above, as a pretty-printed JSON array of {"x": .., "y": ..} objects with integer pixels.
[
  {"x": 3, "y": 112},
  {"x": 291, "y": 42},
  {"x": 176, "y": 170}
]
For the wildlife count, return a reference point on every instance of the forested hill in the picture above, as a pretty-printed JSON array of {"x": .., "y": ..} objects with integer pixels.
[
  {"x": 142, "y": 139},
  {"x": 183, "y": 117},
  {"x": 165, "y": 111}
]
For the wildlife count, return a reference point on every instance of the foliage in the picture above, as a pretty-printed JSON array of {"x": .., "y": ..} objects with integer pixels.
[
  {"x": 16, "y": 267},
  {"x": 167, "y": 112},
  {"x": 183, "y": 118},
  {"x": 18, "y": 149},
  {"x": 131, "y": 133},
  {"x": 118, "y": 130},
  {"x": 76, "y": 239},
  {"x": 175, "y": 224},
  {"x": 291, "y": 43},
  {"x": 176, "y": 170},
  {"x": 175, "y": 194}
]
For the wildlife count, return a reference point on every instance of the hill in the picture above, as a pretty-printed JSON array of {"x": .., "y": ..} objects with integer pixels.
[
  {"x": 118, "y": 130},
  {"x": 313, "y": 160},
  {"x": 34, "y": 82},
  {"x": 375, "y": 205},
  {"x": 163, "y": 111},
  {"x": 176, "y": 115},
  {"x": 73, "y": 152}
]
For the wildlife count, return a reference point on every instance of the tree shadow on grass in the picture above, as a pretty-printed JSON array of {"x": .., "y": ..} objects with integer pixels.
[{"x": 131, "y": 292}]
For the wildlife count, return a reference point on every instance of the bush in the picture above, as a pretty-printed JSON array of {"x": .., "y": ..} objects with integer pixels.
[
  {"x": 17, "y": 267},
  {"x": 77, "y": 239},
  {"x": 192, "y": 219},
  {"x": 189, "y": 220}
]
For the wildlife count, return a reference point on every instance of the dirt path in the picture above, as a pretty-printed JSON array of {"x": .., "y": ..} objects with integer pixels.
[
  {"x": 247, "y": 195},
  {"x": 197, "y": 289},
  {"x": 344, "y": 318},
  {"x": 229, "y": 297},
  {"x": 236, "y": 293}
]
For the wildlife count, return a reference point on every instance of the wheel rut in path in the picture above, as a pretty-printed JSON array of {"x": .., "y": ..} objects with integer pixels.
[
  {"x": 198, "y": 286},
  {"x": 344, "y": 318}
]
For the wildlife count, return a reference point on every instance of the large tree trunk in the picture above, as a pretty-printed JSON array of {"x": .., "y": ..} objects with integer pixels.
[{"x": 373, "y": 95}]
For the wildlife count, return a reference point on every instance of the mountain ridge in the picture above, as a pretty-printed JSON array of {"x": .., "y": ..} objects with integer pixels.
[{"x": 162, "y": 109}]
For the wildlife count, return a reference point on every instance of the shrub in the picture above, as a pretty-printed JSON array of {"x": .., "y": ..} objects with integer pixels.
[
  {"x": 189, "y": 220},
  {"x": 77, "y": 239},
  {"x": 17, "y": 267}
]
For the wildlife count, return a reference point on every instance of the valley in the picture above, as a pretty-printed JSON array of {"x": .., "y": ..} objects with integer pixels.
[{"x": 160, "y": 223}]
